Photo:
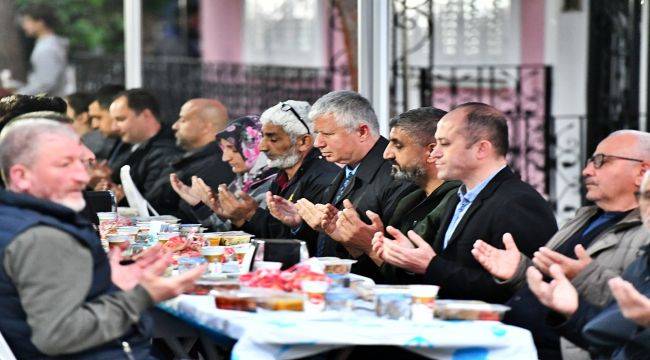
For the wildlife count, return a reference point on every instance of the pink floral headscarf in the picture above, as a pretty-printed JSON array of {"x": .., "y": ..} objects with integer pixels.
[{"x": 245, "y": 133}]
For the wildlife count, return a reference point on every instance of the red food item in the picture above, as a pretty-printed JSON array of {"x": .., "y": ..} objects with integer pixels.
[
  {"x": 176, "y": 243},
  {"x": 289, "y": 280},
  {"x": 489, "y": 315}
]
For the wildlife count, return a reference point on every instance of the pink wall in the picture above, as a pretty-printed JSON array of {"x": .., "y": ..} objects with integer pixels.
[
  {"x": 221, "y": 30},
  {"x": 532, "y": 31}
]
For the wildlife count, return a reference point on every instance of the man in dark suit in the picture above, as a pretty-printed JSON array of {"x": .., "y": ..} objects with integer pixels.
[
  {"x": 347, "y": 132},
  {"x": 135, "y": 113},
  {"x": 472, "y": 143}
]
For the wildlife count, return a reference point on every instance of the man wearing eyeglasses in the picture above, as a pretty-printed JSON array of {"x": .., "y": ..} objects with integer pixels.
[{"x": 593, "y": 247}]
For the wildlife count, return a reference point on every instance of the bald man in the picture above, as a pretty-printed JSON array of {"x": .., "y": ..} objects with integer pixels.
[{"x": 198, "y": 122}]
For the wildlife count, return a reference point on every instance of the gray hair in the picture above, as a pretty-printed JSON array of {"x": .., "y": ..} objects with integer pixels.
[
  {"x": 349, "y": 108},
  {"x": 643, "y": 142},
  {"x": 287, "y": 119},
  {"x": 21, "y": 140},
  {"x": 645, "y": 183}
]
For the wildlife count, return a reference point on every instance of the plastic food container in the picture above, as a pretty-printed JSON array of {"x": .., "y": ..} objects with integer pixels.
[
  {"x": 213, "y": 254},
  {"x": 340, "y": 299},
  {"x": 189, "y": 263},
  {"x": 288, "y": 302},
  {"x": 314, "y": 295},
  {"x": 121, "y": 242},
  {"x": 203, "y": 287},
  {"x": 423, "y": 302},
  {"x": 128, "y": 230},
  {"x": 335, "y": 266},
  {"x": 393, "y": 302},
  {"x": 164, "y": 237},
  {"x": 190, "y": 228},
  {"x": 267, "y": 265},
  {"x": 228, "y": 239},
  {"x": 235, "y": 300},
  {"x": 212, "y": 238},
  {"x": 470, "y": 310}
]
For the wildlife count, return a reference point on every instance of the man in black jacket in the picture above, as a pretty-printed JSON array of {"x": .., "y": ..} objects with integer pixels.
[
  {"x": 289, "y": 144},
  {"x": 472, "y": 143},
  {"x": 198, "y": 122},
  {"x": 347, "y": 132},
  {"x": 412, "y": 138},
  {"x": 135, "y": 113}
]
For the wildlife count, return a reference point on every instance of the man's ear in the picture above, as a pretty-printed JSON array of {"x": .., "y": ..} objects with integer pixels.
[
  {"x": 429, "y": 149},
  {"x": 305, "y": 142},
  {"x": 484, "y": 149},
  {"x": 364, "y": 132},
  {"x": 19, "y": 178},
  {"x": 638, "y": 181}
]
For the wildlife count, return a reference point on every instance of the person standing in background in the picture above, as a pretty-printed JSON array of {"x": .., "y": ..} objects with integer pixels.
[{"x": 49, "y": 58}]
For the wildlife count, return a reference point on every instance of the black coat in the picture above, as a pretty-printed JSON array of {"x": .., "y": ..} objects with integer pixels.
[
  {"x": 422, "y": 214},
  {"x": 372, "y": 188},
  {"x": 205, "y": 163},
  {"x": 148, "y": 164},
  {"x": 506, "y": 204},
  {"x": 309, "y": 182}
]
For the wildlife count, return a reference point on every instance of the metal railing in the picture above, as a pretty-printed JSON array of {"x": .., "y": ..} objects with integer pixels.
[{"x": 244, "y": 89}]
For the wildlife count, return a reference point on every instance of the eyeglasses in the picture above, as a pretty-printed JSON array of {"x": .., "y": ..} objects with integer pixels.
[
  {"x": 599, "y": 159},
  {"x": 287, "y": 107},
  {"x": 645, "y": 195}
]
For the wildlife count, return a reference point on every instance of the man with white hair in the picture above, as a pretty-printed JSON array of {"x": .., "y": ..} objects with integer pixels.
[
  {"x": 60, "y": 295},
  {"x": 347, "y": 132},
  {"x": 288, "y": 142}
]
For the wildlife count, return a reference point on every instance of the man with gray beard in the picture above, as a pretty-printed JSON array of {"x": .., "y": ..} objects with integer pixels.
[
  {"x": 287, "y": 140},
  {"x": 411, "y": 142}
]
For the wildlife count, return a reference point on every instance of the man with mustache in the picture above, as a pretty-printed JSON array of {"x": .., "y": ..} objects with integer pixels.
[
  {"x": 60, "y": 295},
  {"x": 594, "y": 246},
  {"x": 288, "y": 142},
  {"x": 412, "y": 138},
  {"x": 621, "y": 330}
]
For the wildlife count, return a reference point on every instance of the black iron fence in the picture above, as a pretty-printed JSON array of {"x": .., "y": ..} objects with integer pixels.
[
  {"x": 522, "y": 92},
  {"x": 244, "y": 89},
  {"x": 547, "y": 152}
]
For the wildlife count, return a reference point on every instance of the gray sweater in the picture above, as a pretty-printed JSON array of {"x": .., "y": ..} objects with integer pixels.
[
  {"x": 52, "y": 273},
  {"x": 49, "y": 60}
]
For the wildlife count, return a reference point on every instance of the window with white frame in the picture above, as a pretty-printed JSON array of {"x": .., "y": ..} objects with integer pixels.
[
  {"x": 476, "y": 31},
  {"x": 284, "y": 32},
  {"x": 468, "y": 32}
]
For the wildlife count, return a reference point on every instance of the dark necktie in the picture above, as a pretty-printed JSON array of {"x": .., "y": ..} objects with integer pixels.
[
  {"x": 344, "y": 185},
  {"x": 320, "y": 249}
]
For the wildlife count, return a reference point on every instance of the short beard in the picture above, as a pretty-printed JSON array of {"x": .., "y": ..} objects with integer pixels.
[
  {"x": 75, "y": 205},
  {"x": 416, "y": 175},
  {"x": 286, "y": 161}
]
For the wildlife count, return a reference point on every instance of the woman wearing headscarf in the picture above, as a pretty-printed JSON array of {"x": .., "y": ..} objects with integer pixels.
[{"x": 239, "y": 142}]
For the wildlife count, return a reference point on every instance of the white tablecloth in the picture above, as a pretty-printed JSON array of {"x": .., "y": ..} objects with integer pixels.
[{"x": 290, "y": 335}]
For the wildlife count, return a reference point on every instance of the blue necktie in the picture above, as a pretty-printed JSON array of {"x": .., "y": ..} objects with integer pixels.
[
  {"x": 343, "y": 186},
  {"x": 320, "y": 249}
]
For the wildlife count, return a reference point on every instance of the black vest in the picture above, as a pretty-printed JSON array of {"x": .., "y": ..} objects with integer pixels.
[{"x": 20, "y": 212}]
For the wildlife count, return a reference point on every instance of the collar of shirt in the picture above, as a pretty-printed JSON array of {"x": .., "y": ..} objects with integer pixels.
[
  {"x": 470, "y": 196},
  {"x": 350, "y": 171}
]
